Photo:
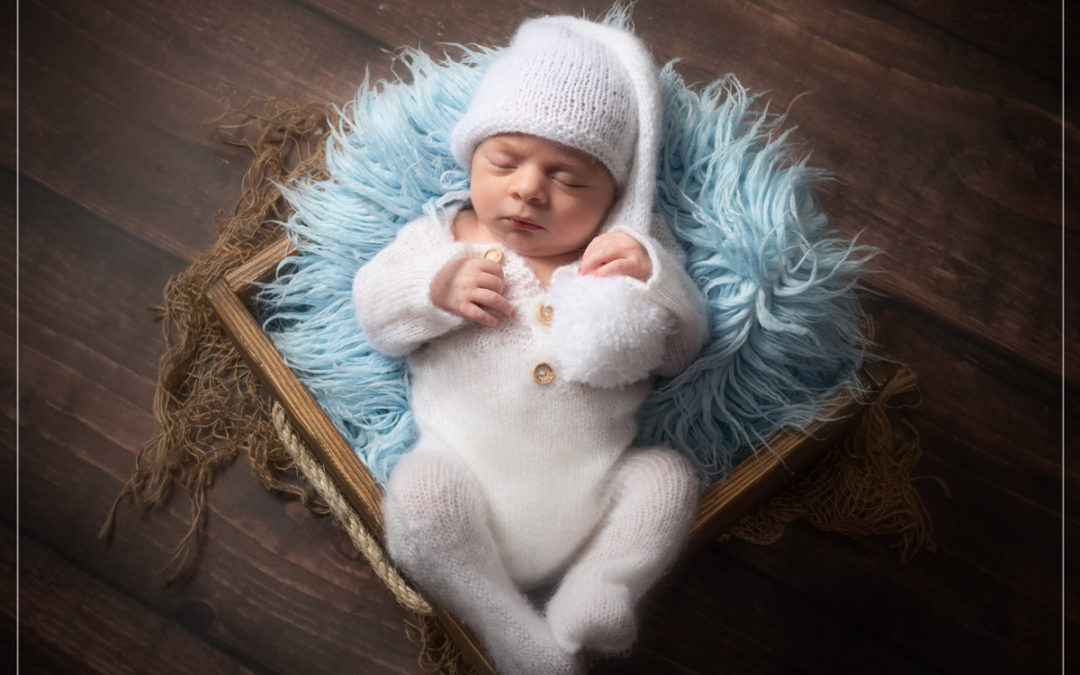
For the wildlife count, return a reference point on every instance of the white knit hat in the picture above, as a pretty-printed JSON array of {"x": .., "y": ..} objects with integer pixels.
[{"x": 589, "y": 86}]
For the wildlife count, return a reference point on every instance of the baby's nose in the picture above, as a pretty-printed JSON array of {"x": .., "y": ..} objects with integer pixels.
[{"x": 530, "y": 184}]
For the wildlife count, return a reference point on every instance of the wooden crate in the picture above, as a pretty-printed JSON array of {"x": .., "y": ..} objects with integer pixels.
[{"x": 745, "y": 488}]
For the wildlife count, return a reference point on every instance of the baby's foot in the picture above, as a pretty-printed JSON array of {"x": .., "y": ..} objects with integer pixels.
[
  {"x": 529, "y": 648},
  {"x": 598, "y": 616}
]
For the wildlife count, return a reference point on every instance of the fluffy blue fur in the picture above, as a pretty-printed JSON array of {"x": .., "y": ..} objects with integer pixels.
[{"x": 783, "y": 313}]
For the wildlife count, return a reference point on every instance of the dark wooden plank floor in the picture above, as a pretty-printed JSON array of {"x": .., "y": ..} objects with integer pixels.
[{"x": 942, "y": 121}]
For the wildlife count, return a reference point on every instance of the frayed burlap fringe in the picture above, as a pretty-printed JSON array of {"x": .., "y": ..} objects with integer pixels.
[
  {"x": 209, "y": 407},
  {"x": 438, "y": 653},
  {"x": 862, "y": 487},
  {"x": 207, "y": 403}
]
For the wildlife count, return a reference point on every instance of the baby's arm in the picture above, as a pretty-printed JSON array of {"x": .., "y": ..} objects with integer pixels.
[{"x": 391, "y": 294}]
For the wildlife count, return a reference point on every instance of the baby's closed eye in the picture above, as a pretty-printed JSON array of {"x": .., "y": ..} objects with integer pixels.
[
  {"x": 502, "y": 160},
  {"x": 569, "y": 179}
]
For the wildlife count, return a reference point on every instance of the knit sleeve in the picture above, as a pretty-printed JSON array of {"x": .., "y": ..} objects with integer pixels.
[
  {"x": 673, "y": 289},
  {"x": 614, "y": 331},
  {"x": 391, "y": 293}
]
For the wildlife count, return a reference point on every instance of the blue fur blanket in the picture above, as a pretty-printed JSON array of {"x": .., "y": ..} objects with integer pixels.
[{"x": 784, "y": 317}]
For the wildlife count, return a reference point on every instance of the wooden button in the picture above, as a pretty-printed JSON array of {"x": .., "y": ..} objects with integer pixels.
[
  {"x": 493, "y": 254},
  {"x": 545, "y": 313},
  {"x": 543, "y": 373}
]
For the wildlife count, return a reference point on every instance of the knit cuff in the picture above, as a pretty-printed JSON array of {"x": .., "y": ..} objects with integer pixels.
[{"x": 392, "y": 299}]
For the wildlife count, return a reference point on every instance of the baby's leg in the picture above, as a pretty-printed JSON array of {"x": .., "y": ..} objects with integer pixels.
[
  {"x": 655, "y": 495},
  {"x": 437, "y": 530}
]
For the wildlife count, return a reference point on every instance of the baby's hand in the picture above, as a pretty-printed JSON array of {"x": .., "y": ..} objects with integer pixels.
[
  {"x": 614, "y": 253},
  {"x": 472, "y": 288}
]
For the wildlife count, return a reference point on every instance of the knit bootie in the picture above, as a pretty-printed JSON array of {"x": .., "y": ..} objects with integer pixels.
[
  {"x": 653, "y": 500},
  {"x": 437, "y": 530}
]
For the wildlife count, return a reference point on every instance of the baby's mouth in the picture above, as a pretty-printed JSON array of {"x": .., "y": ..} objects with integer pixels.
[{"x": 522, "y": 224}]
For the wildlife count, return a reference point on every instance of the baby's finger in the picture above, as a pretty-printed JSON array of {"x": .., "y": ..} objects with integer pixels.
[
  {"x": 490, "y": 282},
  {"x": 492, "y": 301},
  {"x": 614, "y": 267},
  {"x": 485, "y": 266},
  {"x": 478, "y": 314},
  {"x": 630, "y": 267},
  {"x": 592, "y": 261}
]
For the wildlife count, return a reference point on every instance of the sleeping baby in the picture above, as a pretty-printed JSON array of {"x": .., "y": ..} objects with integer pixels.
[{"x": 533, "y": 317}]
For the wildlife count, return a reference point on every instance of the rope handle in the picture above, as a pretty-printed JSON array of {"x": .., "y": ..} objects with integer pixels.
[{"x": 315, "y": 474}]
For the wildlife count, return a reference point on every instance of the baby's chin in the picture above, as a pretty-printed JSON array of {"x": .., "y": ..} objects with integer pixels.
[
  {"x": 535, "y": 241},
  {"x": 532, "y": 245}
]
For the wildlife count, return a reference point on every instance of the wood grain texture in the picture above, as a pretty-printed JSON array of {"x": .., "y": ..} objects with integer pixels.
[{"x": 940, "y": 120}]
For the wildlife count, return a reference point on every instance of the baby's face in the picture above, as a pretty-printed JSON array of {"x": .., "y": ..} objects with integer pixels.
[{"x": 540, "y": 198}]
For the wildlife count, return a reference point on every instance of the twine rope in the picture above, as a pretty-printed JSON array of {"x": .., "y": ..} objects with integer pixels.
[{"x": 316, "y": 475}]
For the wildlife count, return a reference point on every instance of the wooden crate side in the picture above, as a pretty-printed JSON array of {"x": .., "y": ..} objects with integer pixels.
[{"x": 261, "y": 267}]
